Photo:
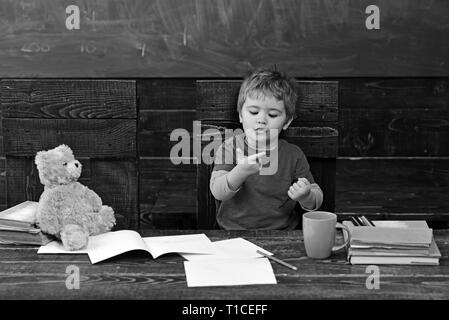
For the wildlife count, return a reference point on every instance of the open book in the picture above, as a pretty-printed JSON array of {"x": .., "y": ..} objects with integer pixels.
[{"x": 110, "y": 244}]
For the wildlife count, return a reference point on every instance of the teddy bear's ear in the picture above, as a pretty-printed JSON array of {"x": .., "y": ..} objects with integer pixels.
[
  {"x": 40, "y": 158},
  {"x": 64, "y": 149}
]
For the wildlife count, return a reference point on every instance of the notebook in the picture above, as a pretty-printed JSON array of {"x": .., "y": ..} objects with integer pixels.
[{"x": 398, "y": 236}]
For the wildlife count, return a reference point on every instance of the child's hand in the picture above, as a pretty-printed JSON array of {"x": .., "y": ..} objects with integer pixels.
[
  {"x": 252, "y": 164},
  {"x": 299, "y": 190}
]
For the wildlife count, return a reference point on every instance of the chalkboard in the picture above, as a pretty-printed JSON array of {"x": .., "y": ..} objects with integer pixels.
[{"x": 223, "y": 38}]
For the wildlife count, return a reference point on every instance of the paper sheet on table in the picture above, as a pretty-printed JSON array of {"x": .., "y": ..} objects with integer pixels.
[
  {"x": 235, "y": 248},
  {"x": 191, "y": 243},
  {"x": 227, "y": 272}
]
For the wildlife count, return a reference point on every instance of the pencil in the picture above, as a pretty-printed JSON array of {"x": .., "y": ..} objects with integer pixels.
[
  {"x": 285, "y": 264},
  {"x": 355, "y": 222}
]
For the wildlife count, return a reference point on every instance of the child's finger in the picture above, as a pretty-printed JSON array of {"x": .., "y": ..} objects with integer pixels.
[
  {"x": 239, "y": 152},
  {"x": 302, "y": 185},
  {"x": 240, "y": 155},
  {"x": 256, "y": 156},
  {"x": 296, "y": 186},
  {"x": 294, "y": 189},
  {"x": 290, "y": 194}
]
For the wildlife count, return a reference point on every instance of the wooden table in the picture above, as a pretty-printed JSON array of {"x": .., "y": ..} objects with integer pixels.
[{"x": 135, "y": 275}]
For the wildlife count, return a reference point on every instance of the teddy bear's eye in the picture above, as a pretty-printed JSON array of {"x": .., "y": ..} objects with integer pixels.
[{"x": 64, "y": 164}]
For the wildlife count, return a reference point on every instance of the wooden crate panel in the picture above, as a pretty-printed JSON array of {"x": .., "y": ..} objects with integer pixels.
[
  {"x": 394, "y": 117},
  {"x": 386, "y": 93},
  {"x": 116, "y": 181},
  {"x": 87, "y": 138},
  {"x": 68, "y": 99},
  {"x": 166, "y": 94},
  {"x": 394, "y": 132},
  {"x": 2, "y": 182},
  {"x": 156, "y": 120},
  {"x": 314, "y": 141},
  {"x": 167, "y": 194},
  {"x": 395, "y": 185},
  {"x": 317, "y": 101}
]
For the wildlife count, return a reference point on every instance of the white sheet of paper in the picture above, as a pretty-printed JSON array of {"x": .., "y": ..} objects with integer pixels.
[
  {"x": 57, "y": 247},
  {"x": 227, "y": 272},
  {"x": 235, "y": 248},
  {"x": 192, "y": 243}
]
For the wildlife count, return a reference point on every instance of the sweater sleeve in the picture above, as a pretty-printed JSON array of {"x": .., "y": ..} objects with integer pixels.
[
  {"x": 219, "y": 186},
  {"x": 315, "y": 198}
]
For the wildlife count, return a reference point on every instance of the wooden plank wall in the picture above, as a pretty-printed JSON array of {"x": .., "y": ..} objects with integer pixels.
[
  {"x": 167, "y": 191},
  {"x": 222, "y": 38},
  {"x": 96, "y": 118},
  {"x": 393, "y": 149}
]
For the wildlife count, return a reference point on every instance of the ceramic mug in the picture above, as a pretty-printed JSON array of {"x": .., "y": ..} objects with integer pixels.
[{"x": 318, "y": 229}]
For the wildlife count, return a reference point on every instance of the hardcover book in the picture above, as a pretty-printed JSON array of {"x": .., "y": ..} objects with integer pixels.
[{"x": 22, "y": 215}]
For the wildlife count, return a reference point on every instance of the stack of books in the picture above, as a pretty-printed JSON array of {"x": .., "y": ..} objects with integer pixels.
[
  {"x": 392, "y": 242},
  {"x": 18, "y": 225}
]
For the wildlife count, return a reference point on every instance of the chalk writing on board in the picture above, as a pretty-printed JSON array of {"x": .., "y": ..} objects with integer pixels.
[
  {"x": 91, "y": 47},
  {"x": 224, "y": 38},
  {"x": 35, "y": 47}
]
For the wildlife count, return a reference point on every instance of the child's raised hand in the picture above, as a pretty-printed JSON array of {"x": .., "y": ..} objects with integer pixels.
[
  {"x": 299, "y": 190},
  {"x": 251, "y": 164}
]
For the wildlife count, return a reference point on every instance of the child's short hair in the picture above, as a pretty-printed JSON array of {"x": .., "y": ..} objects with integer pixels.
[{"x": 266, "y": 81}]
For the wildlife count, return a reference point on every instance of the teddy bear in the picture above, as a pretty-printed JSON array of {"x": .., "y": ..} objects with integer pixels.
[{"x": 67, "y": 209}]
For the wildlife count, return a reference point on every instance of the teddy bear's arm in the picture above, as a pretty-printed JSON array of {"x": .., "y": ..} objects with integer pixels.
[
  {"x": 93, "y": 199},
  {"x": 48, "y": 213}
]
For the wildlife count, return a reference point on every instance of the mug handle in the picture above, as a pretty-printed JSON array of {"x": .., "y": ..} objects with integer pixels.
[{"x": 340, "y": 247}]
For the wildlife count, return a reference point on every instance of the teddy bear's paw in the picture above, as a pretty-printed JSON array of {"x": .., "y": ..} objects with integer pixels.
[
  {"x": 107, "y": 217},
  {"x": 74, "y": 237}
]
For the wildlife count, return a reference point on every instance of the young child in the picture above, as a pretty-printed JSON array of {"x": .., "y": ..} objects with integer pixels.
[{"x": 253, "y": 196}]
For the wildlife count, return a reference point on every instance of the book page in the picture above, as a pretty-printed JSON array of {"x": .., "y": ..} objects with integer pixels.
[
  {"x": 102, "y": 246},
  {"x": 227, "y": 272},
  {"x": 110, "y": 244},
  {"x": 192, "y": 243},
  {"x": 25, "y": 211},
  {"x": 230, "y": 248}
]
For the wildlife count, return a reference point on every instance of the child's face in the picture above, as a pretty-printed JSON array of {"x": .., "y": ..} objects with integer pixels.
[{"x": 263, "y": 117}]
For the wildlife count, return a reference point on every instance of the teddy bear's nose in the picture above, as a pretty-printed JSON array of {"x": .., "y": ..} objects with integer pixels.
[{"x": 76, "y": 164}]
